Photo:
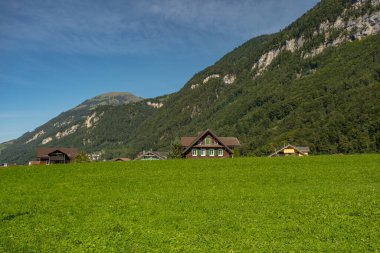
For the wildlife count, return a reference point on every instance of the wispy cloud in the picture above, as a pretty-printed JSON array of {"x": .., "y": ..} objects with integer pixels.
[{"x": 114, "y": 27}]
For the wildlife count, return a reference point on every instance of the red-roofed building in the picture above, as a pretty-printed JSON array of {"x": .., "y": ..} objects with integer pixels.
[{"x": 209, "y": 145}]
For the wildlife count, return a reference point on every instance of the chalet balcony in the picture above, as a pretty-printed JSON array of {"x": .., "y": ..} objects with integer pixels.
[{"x": 58, "y": 158}]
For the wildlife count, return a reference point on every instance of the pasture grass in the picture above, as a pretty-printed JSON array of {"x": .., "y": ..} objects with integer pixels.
[{"x": 313, "y": 204}]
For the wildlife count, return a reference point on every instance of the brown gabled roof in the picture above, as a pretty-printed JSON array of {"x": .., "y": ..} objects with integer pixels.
[
  {"x": 230, "y": 141},
  {"x": 122, "y": 159},
  {"x": 43, "y": 152},
  {"x": 227, "y": 142},
  {"x": 302, "y": 150},
  {"x": 186, "y": 141}
]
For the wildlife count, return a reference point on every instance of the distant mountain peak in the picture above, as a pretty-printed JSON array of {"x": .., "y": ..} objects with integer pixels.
[
  {"x": 115, "y": 94},
  {"x": 109, "y": 98}
]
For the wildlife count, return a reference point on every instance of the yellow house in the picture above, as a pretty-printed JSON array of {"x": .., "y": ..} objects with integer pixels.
[{"x": 290, "y": 150}]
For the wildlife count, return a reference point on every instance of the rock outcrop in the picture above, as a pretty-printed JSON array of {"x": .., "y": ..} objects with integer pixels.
[
  {"x": 46, "y": 140},
  {"x": 67, "y": 132},
  {"x": 210, "y": 77},
  {"x": 35, "y": 137},
  {"x": 348, "y": 30},
  {"x": 155, "y": 105},
  {"x": 229, "y": 79}
]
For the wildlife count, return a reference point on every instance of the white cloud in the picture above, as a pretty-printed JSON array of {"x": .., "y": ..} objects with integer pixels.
[{"x": 114, "y": 27}]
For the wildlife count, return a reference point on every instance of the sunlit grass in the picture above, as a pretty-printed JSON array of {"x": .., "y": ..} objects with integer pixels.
[{"x": 327, "y": 203}]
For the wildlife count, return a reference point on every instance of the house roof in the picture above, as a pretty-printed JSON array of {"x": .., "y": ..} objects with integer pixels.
[
  {"x": 123, "y": 159},
  {"x": 230, "y": 141},
  {"x": 159, "y": 154},
  {"x": 43, "y": 152},
  {"x": 302, "y": 150},
  {"x": 186, "y": 141},
  {"x": 227, "y": 142}
]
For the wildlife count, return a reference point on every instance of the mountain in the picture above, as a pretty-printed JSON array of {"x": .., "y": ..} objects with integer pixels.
[
  {"x": 111, "y": 98},
  {"x": 55, "y": 131},
  {"x": 315, "y": 83}
]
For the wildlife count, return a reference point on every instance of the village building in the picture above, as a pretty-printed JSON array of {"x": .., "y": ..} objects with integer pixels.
[
  {"x": 96, "y": 156},
  {"x": 290, "y": 150},
  {"x": 152, "y": 155},
  {"x": 54, "y": 155},
  {"x": 209, "y": 145},
  {"x": 121, "y": 159}
]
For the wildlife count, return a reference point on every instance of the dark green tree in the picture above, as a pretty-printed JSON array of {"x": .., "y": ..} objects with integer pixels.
[
  {"x": 344, "y": 145},
  {"x": 82, "y": 158},
  {"x": 175, "y": 149}
]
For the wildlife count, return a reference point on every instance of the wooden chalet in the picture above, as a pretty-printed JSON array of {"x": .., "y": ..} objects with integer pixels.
[
  {"x": 152, "y": 155},
  {"x": 209, "y": 145},
  {"x": 290, "y": 150},
  {"x": 55, "y": 155}
]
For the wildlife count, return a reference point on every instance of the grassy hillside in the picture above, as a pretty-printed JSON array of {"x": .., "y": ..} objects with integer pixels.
[{"x": 313, "y": 204}]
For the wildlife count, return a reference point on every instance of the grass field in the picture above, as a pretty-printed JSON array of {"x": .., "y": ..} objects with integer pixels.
[{"x": 326, "y": 203}]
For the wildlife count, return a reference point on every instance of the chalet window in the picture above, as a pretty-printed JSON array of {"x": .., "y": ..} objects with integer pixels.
[
  {"x": 194, "y": 152},
  {"x": 220, "y": 152},
  {"x": 212, "y": 152},
  {"x": 207, "y": 140},
  {"x": 203, "y": 152}
]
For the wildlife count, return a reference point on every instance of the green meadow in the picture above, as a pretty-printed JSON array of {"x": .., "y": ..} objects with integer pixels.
[{"x": 310, "y": 204}]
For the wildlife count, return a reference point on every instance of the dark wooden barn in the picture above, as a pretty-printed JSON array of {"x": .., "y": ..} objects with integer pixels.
[{"x": 56, "y": 155}]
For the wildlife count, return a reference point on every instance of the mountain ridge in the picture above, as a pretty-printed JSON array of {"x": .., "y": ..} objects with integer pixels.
[{"x": 108, "y": 98}]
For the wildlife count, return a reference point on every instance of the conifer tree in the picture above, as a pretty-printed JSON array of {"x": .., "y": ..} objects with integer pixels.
[{"x": 175, "y": 149}]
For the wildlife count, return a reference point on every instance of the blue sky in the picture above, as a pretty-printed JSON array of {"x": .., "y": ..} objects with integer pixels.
[{"x": 56, "y": 54}]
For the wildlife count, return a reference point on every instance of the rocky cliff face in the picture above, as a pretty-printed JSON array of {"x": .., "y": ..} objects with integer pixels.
[
  {"x": 350, "y": 30},
  {"x": 344, "y": 28}
]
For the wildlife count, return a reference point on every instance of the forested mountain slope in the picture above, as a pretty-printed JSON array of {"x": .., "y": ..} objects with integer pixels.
[{"x": 315, "y": 83}]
